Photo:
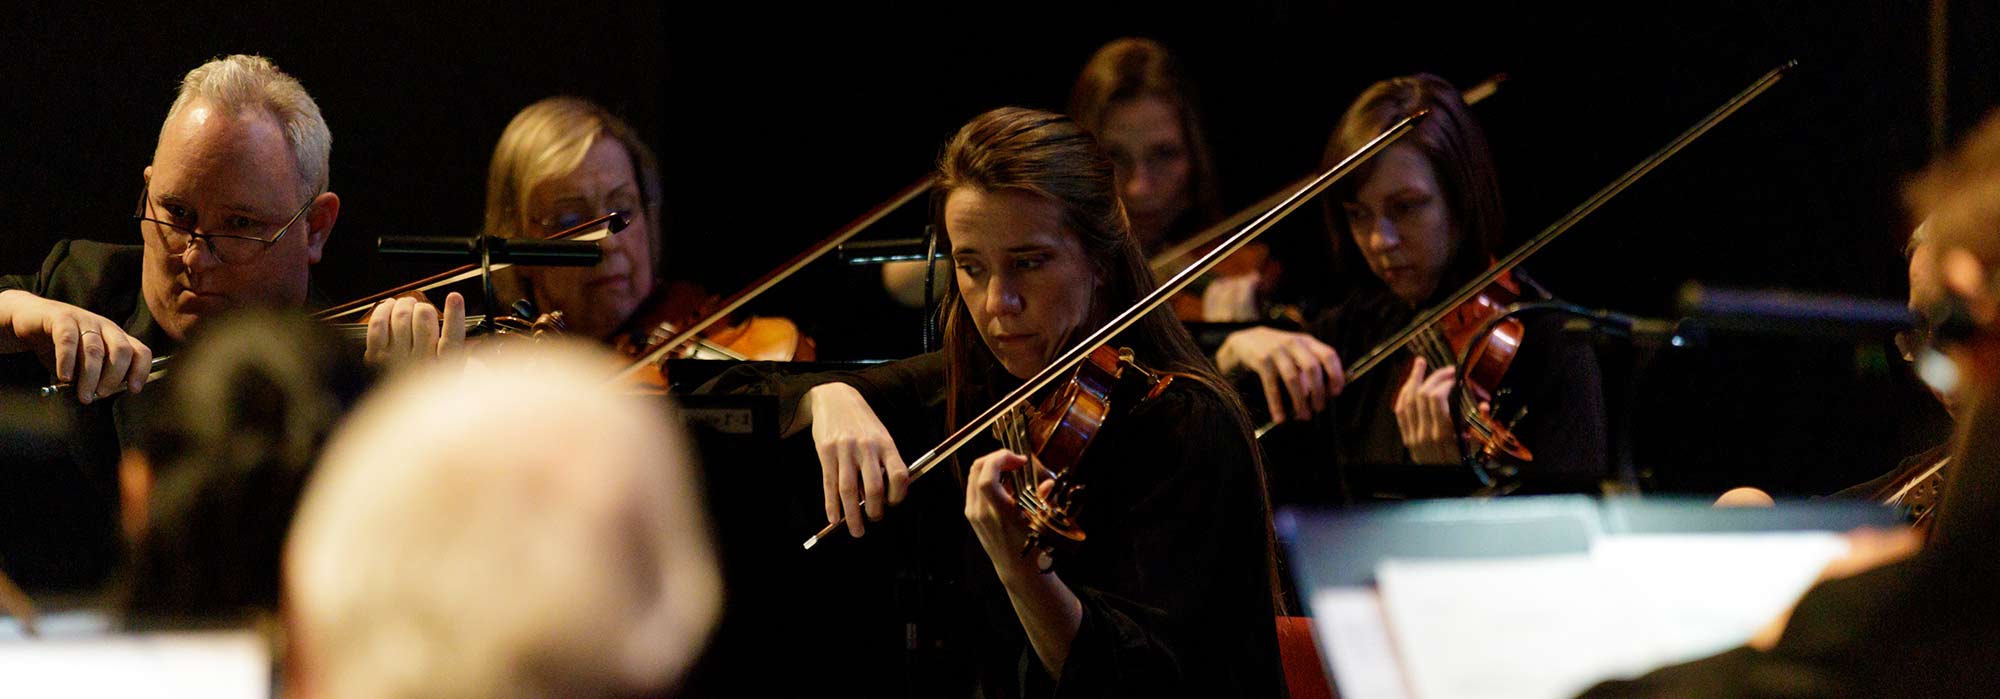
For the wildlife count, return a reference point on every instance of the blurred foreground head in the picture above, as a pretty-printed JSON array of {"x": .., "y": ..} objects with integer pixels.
[
  {"x": 1958, "y": 197},
  {"x": 515, "y": 529},
  {"x": 210, "y": 484}
]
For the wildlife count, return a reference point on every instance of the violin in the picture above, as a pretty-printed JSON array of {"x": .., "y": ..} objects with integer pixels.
[
  {"x": 761, "y": 338},
  {"x": 1256, "y": 257},
  {"x": 1474, "y": 328},
  {"x": 650, "y": 366},
  {"x": 1918, "y": 488},
  {"x": 1487, "y": 352},
  {"x": 1053, "y": 430},
  {"x": 681, "y": 304},
  {"x": 1254, "y": 260},
  {"x": 1062, "y": 369}
]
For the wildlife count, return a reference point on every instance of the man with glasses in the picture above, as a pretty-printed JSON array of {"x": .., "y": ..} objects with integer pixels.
[
  {"x": 1925, "y": 468},
  {"x": 233, "y": 210},
  {"x": 1901, "y": 621}
]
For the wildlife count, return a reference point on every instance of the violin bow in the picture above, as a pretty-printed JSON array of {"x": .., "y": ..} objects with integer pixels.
[
  {"x": 1166, "y": 258},
  {"x": 661, "y": 351},
  {"x": 1059, "y": 367},
  {"x": 593, "y": 229},
  {"x": 1382, "y": 350}
]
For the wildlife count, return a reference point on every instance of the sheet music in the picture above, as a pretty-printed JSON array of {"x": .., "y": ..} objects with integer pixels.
[
  {"x": 1354, "y": 636},
  {"x": 1552, "y": 626},
  {"x": 209, "y": 665}
]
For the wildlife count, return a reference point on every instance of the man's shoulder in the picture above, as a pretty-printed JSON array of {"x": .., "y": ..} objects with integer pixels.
[
  {"x": 95, "y": 255},
  {"x": 102, "y": 277}
]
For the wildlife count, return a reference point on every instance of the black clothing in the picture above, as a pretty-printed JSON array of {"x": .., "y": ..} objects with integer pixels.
[
  {"x": 103, "y": 279},
  {"x": 1564, "y": 426},
  {"x": 1174, "y": 577},
  {"x": 58, "y": 524},
  {"x": 1928, "y": 626}
]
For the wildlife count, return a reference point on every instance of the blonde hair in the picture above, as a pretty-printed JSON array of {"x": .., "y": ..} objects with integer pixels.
[
  {"x": 242, "y": 82},
  {"x": 547, "y": 140},
  {"x": 567, "y": 557}
]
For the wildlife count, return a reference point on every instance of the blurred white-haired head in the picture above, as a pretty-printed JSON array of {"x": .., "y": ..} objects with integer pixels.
[{"x": 517, "y": 528}]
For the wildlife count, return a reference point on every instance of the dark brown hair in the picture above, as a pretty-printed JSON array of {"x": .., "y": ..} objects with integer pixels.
[
  {"x": 1050, "y": 156},
  {"x": 1454, "y": 146},
  {"x": 1130, "y": 69},
  {"x": 253, "y": 398}
]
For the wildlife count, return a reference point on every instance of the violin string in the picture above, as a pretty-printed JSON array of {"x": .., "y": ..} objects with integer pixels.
[
  {"x": 1008, "y": 430},
  {"x": 360, "y": 330},
  {"x": 1432, "y": 347},
  {"x": 1025, "y": 481}
]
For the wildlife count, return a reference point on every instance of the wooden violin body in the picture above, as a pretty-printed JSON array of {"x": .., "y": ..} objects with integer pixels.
[
  {"x": 1918, "y": 487},
  {"x": 756, "y": 338},
  {"x": 1487, "y": 359},
  {"x": 1253, "y": 259},
  {"x": 1054, "y": 430}
]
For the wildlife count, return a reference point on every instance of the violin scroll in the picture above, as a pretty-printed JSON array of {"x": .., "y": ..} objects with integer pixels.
[{"x": 543, "y": 326}]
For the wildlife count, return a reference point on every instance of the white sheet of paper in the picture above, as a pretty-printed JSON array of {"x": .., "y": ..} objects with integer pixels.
[
  {"x": 1539, "y": 627},
  {"x": 1353, "y": 634},
  {"x": 209, "y": 665}
]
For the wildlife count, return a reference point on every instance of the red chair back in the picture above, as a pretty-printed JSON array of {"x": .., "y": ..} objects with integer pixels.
[{"x": 1305, "y": 675}]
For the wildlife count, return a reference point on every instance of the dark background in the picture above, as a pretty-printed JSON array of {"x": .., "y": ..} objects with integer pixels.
[{"x": 776, "y": 124}]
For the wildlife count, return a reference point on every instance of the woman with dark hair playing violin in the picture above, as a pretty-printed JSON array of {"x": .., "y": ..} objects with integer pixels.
[
  {"x": 1408, "y": 229},
  {"x": 1134, "y": 97},
  {"x": 1171, "y": 591}
]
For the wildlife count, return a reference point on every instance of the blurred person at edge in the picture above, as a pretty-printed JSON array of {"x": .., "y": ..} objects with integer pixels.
[{"x": 1901, "y": 616}]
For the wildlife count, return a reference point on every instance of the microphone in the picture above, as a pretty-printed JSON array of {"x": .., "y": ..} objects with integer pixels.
[
  {"x": 1672, "y": 331},
  {"x": 520, "y": 251},
  {"x": 875, "y": 252},
  {"x": 1794, "y": 313}
]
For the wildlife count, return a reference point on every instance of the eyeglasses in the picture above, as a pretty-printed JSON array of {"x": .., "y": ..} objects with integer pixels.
[
  {"x": 1913, "y": 342},
  {"x": 551, "y": 225},
  {"x": 238, "y": 240},
  {"x": 561, "y": 222},
  {"x": 571, "y": 211}
]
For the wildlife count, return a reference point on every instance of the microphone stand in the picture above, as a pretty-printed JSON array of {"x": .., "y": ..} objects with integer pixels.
[{"x": 1645, "y": 339}]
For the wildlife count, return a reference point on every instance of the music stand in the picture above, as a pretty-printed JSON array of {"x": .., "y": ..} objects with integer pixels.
[{"x": 1336, "y": 554}]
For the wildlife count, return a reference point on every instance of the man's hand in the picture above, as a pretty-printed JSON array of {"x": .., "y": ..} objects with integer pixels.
[
  {"x": 405, "y": 328},
  {"x": 78, "y": 346}
]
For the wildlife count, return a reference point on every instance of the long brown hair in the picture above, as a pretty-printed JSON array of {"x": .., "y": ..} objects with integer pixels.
[
  {"x": 1132, "y": 68},
  {"x": 1050, "y": 156},
  {"x": 1454, "y": 146}
]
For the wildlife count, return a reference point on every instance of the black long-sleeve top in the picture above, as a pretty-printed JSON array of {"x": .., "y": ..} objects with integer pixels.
[
  {"x": 1174, "y": 576},
  {"x": 1928, "y": 626},
  {"x": 58, "y": 527},
  {"x": 1564, "y": 425}
]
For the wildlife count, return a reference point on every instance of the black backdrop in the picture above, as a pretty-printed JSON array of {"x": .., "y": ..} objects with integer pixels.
[{"x": 775, "y": 124}]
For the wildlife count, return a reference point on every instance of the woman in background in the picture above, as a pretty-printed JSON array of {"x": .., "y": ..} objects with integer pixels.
[{"x": 1408, "y": 229}]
